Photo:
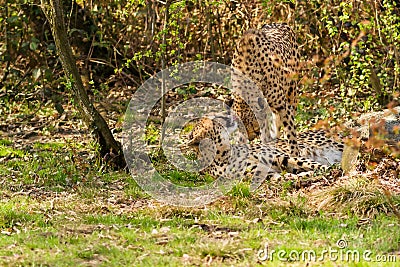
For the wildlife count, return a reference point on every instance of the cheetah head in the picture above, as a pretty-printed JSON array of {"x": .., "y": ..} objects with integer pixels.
[{"x": 217, "y": 128}]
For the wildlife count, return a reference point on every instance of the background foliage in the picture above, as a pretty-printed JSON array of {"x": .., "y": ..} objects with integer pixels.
[{"x": 350, "y": 48}]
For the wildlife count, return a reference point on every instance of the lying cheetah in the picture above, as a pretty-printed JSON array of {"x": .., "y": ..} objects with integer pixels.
[
  {"x": 261, "y": 161},
  {"x": 316, "y": 146},
  {"x": 269, "y": 57}
]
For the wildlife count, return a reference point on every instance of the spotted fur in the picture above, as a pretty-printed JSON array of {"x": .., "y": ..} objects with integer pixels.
[
  {"x": 269, "y": 57},
  {"x": 261, "y": 161}
]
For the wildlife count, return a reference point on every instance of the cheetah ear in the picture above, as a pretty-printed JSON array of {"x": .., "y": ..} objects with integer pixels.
[
  {"x": 199, "y": 132},
  {"x": 194, "y": 137},
  {"x": 193, "y": 140}
]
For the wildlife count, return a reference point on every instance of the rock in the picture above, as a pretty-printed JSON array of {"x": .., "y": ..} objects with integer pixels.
[
  {"x": 383, "y": 125},
  {"x": 376, "y": 127}
]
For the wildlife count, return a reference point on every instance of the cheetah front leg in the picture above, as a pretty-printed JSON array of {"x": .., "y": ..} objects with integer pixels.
[
  {"x": 287, "y": 120},
  {"x": 268, "y": 121},
  {"x": 263, "y": 173}
]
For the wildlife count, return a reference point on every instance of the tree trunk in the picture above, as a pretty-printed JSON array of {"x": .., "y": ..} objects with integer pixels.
[
  {"x": 110, "y": 149},
  {"x": 163, "y": 63}
]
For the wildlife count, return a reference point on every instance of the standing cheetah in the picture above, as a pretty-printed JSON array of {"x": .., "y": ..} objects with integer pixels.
[
  {"x": 261, "y": 161},
  {"x": 269, "y": 57}
]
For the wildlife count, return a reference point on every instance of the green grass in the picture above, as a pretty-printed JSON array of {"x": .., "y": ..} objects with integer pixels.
[
  {"x": 187, "y": 179},
  {"x": 141, "y": 238},
  {"x": 16, "y": 212},
  {"x": 58, "y": 208},
  {"x": 7, "y": 151}
]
